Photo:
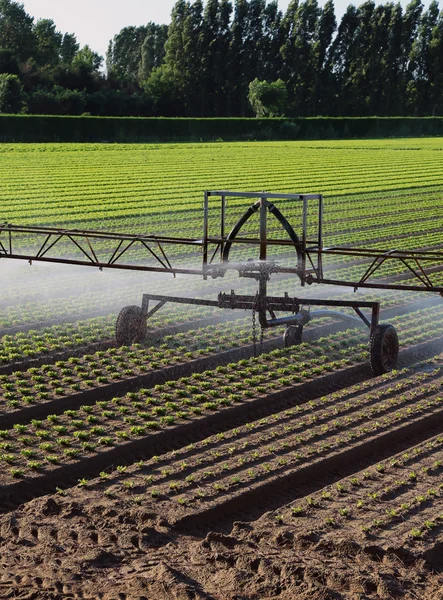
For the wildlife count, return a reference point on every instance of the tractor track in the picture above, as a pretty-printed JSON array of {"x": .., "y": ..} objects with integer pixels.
[{"x": 167, "y": 440}]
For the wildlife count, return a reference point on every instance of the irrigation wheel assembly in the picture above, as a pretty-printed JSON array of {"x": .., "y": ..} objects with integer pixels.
[{"x": 148, "y": 252}]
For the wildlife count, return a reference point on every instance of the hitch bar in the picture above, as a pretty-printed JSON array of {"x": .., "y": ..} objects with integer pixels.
[{"x": 263, "y": 305}]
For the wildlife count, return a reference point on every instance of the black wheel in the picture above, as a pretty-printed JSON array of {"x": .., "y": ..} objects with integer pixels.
[
  {"x": 293, "y": 335},
  {"x": 384, "y": 349},
  {"x": 131, "y": 326}
]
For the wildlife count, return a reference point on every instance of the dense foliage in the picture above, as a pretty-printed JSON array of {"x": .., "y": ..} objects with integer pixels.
[
  {"x": 85, "y": 129},
  {"x": 379, "y": 60}
]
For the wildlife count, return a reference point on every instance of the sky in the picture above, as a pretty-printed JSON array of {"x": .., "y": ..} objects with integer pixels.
[{"x": 95, "y": 22}]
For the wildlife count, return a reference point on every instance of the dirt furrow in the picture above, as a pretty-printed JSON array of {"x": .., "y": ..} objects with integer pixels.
[
  {"x": 201, "y": 427},
  {"x": 273, "y": 494}
]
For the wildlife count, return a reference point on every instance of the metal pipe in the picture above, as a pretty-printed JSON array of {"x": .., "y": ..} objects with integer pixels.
[
  {"x": 297, "y": 319},
  {"x": 378, "y": 286},
  {"x": 205, "y": 229},
  {"x": 101, "y": 265},
  {"x": 177, "y": 300},
  {"x": 263, "y": 229},
  {"x": 228, "y": 193}
]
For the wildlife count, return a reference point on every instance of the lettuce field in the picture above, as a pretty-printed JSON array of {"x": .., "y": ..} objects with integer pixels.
[{"x": 209, "y": 461}]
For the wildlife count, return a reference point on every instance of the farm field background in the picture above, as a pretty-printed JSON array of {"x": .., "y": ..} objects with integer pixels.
[{"x": 186, "y": 466}]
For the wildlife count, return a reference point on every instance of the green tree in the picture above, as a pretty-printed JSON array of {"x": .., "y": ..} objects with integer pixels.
[
  {"x": 222, "y": 58},
  {"x": 16, "y": 30},
  {"x": 238, "y": 61},
  {"x": 73, "y": 102},
  {"x": 342, "y": 56},
  {"x": 268, "y": 99},
  {"x": 175, "y": 68},
  {"x": 214, "y": 49},
  {"x": 273, "y": 40},
  {"x": 68, "y": 49},
  {"x": 48, "y": 43},
  {"x": 210, "y": 64},
  {"x": 300, "y": 55},
  {"x": 84, "y": 72},
  {"x": 436, "y": 67},
  {"x": 411, "y": 22},
  {"x": 11, "y": 94},
  {"x": 161, "y": 90},
  {"x": 391, "y": 88},
  {"x": 324, "y": 82},
  {"x": 185, "y": 57},
  {"x": 364, "y": 59},
  {"x": 8, "y": 62},
  {"x": 87, "y": 60},
  {"x": 192, "y": 79},
  {"x": 214, "y": 60},
  {"x": 420, "y": 85},
  {"x": 125, "y": 54},
  {"x": 289, "y": 34},
  {"x": 43, "y": 102},
  {"x": 153, "y": 50},
  {"x": 255, "y": 39}
]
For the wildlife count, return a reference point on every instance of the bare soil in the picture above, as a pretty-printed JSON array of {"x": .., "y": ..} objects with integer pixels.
[
  {"x": 368, "y": 526},
  {"x": 87, "y": 547}
]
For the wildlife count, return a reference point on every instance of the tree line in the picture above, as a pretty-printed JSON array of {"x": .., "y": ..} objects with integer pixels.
[{"x": 237, "y": 58}]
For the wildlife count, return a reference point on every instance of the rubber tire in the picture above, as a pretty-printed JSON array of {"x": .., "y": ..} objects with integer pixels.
[
  {"x": 131, "y": 326},
  {"x": 384, "y": 349},
  {"x": 293, "y": 335}
]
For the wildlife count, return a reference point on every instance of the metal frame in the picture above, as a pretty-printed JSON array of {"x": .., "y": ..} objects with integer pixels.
[
  {"x": 308, "y": 268},
  {"x": 263, "y": 304}
]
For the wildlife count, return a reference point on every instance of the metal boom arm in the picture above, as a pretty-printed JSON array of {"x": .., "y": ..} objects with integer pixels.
[{"x": 139, "y": 252}]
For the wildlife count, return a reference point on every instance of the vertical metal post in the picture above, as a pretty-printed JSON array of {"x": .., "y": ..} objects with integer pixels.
[
  {"x": 222, "y": 224},
  {"x": 263, "y": 232},
  {"x": 320, "y": 237},
  {"x": 205, "y": 231},
  {"x": 145, "y": 304},
  {"x": 375, "y": 317},
  {"x": 262, "y": 284},
  {"x": 303, "y": 239}
]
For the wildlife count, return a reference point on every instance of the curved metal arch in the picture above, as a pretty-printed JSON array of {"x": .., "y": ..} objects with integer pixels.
[{"x": 280, "y": 218}]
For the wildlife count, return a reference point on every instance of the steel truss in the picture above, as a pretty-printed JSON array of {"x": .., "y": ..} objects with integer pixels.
[{"x": 54, "y": 243}]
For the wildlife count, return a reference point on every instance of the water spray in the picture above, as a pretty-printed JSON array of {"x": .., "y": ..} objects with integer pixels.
[{"x": 307, "y": 267}]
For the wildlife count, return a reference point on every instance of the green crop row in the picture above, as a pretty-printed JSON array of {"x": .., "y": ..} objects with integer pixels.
[
  {"x": 122, "y": 419},
  {"x": 391, "y": 496},
  {"x": 343, "y": 169},
  {"x": 34, "y": 343},
  {"x": 41, "y": 384},
  {"x": 230, "y": 462}
]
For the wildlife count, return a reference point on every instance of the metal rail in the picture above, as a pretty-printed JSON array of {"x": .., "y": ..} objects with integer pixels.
[
  {"x": 144, "y": 252},
  {"x": 263, "y": 304}
]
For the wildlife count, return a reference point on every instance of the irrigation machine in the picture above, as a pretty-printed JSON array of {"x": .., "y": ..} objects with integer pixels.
[{"x": 306, "y": 263}]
